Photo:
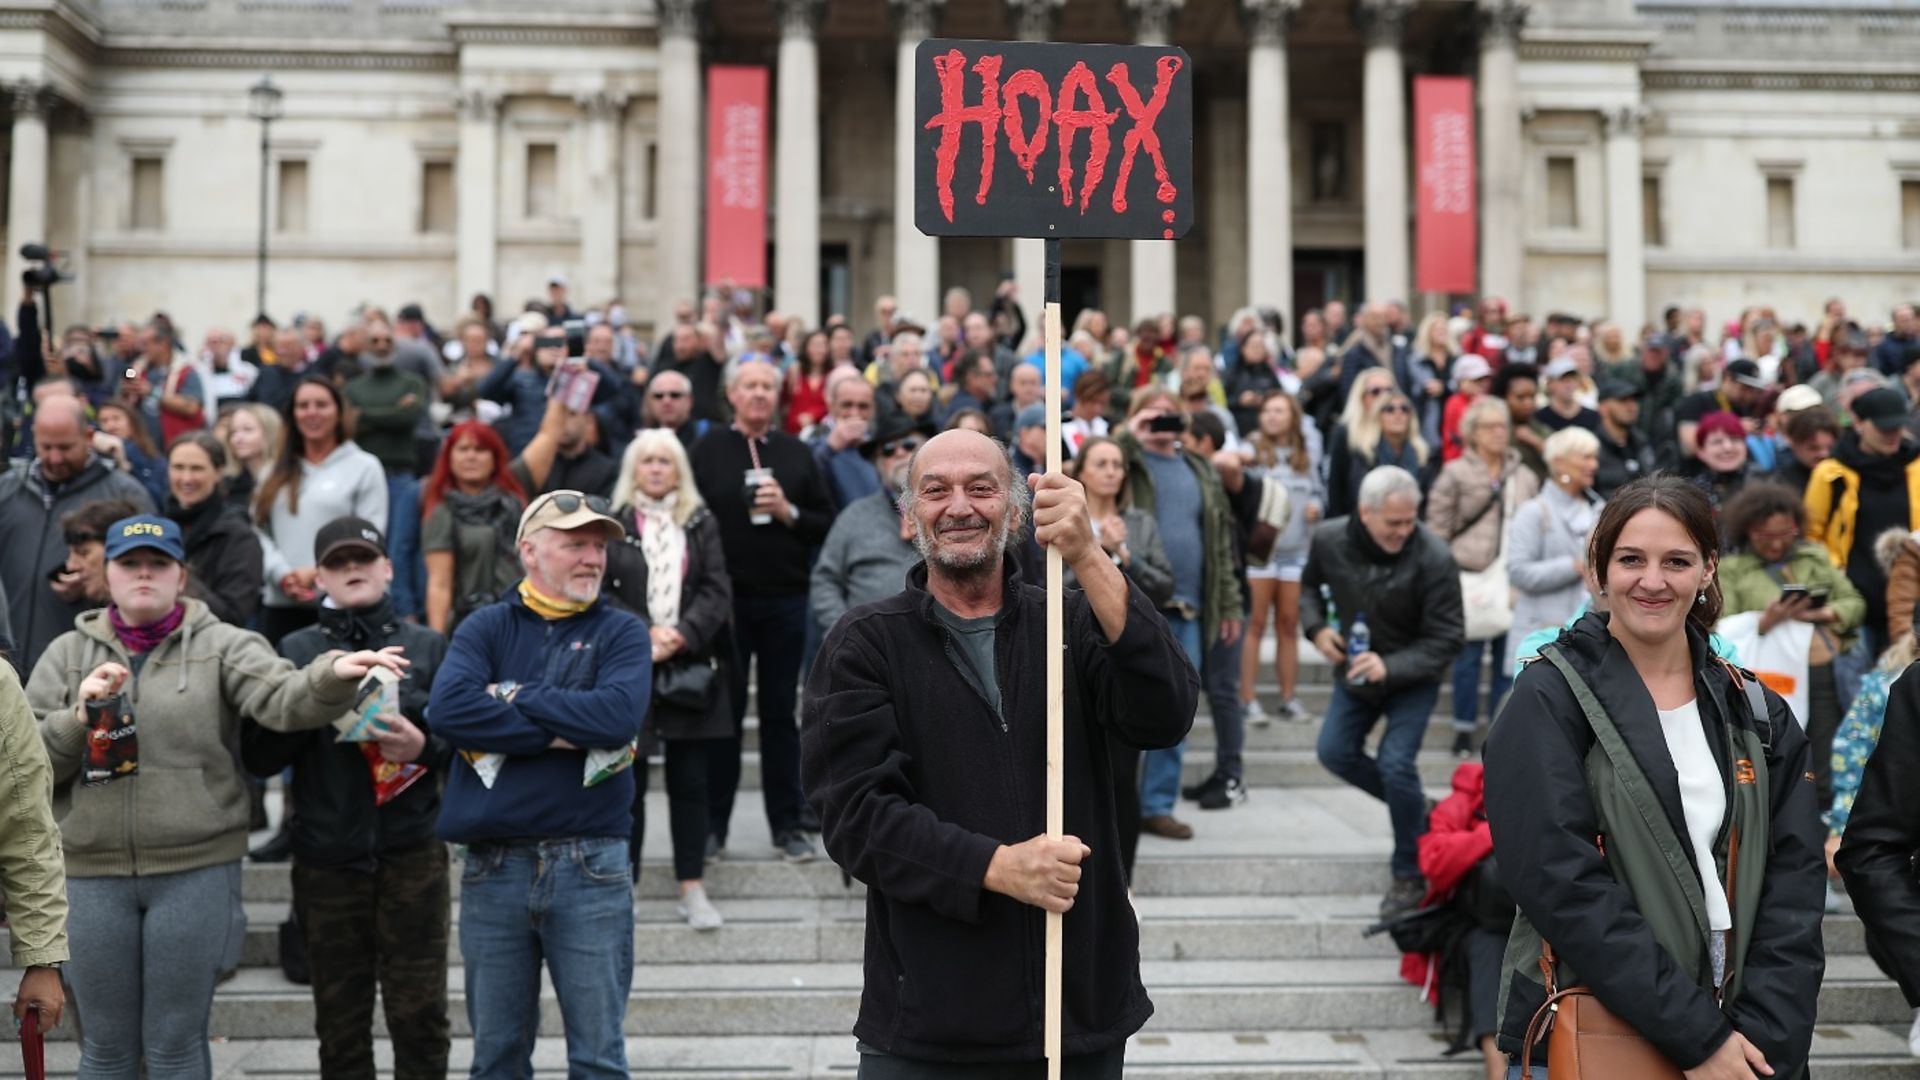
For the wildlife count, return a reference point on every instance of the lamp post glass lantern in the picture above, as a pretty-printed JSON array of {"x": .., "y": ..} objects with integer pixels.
[{"x": 263, "y": 104}]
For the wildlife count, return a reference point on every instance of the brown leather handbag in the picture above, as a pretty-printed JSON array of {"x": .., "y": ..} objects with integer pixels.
[{"x": 1586, "y": 1041}]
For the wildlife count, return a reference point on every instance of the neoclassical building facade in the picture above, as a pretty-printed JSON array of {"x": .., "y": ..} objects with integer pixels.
[{"x": 1630, "y": 152}]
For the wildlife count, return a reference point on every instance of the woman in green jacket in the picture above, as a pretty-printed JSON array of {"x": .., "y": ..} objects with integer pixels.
[
  {"x": 143, "y": 700},
  {"x": 1765, "y": 525}
]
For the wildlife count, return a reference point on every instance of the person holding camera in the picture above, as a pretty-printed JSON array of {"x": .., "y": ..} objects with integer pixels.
[
  {"x": 773, "y": 510},
  {"x": 1183, "y": 493}
]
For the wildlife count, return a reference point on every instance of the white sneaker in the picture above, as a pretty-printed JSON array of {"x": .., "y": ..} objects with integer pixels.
[
  {"x": 1913, "y": 1035},
  {"x": 698, "y": 910},
  {"x": 1292, "y": 713},
  {"x": 1255, "y": 715}
]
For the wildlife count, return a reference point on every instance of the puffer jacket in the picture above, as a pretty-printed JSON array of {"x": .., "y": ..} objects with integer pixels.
[
  {"x": 1544, "y": 832},
  {"x": 187, "y": 807},
  {"x": 1463, "y": 490}
]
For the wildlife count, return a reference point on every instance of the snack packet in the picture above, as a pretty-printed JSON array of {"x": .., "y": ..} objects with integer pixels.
[
  {"x": 606, "y": 764},
  {"x": 486, "y": 766},
  {"x": 390, "y": 778},
  {"x": 379, "y": 693},
  {"x": 113, "y": 742}
]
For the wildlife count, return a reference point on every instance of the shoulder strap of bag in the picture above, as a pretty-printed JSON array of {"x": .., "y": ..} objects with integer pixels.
[
  {"x": 1632, "y": 780},
  {"x": 1481, "y": 515}
]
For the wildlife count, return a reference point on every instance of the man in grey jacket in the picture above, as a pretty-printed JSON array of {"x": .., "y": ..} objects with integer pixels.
[
  {"x": 64, "y": 475},
  {"x": 870, "y": 548}
]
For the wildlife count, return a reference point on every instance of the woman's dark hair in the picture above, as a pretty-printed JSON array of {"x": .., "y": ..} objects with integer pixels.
[
  {"x": 1509, "y": 374},
  {"x": 141, "y": 437},
  {"x": 954, "y": 420},
  {"x": 205, "y": 441},
  {"x": 805, "y": 367},
  {"x": 293, "y": 449},
  {"x": 1679, "y": 500},
  {"x": 1756, "y": 503},
  {"x": 1123, "y": 498}
]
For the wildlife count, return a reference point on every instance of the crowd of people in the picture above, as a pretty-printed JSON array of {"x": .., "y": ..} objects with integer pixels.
[{"x": 251, "y": 531}]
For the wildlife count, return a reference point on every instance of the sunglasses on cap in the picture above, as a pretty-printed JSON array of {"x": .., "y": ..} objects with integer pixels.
[
  {"x": 896, "y": 446},
  {"x": 567, "y": 502}
]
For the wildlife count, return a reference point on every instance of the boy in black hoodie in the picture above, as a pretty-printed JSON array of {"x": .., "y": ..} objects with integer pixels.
[{"x": 369, "y": 878}]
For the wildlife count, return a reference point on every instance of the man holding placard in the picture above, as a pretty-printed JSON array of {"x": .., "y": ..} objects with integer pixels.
[{"x": 923, "y": 750}]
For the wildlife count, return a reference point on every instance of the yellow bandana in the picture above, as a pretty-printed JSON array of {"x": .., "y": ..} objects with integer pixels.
[{"x": 547, "y": 607}]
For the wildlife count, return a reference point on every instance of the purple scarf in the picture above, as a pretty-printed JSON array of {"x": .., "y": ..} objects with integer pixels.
[{"x": 140, "y": 639}]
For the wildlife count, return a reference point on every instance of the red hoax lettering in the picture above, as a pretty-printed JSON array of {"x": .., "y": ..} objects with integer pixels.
[
  {"x": 1096, "y": 119},
  {"x": 1142, "y": 136},
  {"x": 1027, "y": 83},
  {"x": 954, "y": 113}
]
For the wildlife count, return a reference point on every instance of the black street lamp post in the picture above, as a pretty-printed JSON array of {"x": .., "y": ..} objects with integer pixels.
[{"x": 263, "y": 104}]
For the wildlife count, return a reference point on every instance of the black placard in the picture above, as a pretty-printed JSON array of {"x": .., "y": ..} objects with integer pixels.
[{"x": 1054, "y": 140}]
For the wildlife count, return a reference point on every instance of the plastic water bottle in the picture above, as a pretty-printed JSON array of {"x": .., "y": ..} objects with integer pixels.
[
  {"x": 1333, "y": 613},
  {"x": 1359, "y": 641}
]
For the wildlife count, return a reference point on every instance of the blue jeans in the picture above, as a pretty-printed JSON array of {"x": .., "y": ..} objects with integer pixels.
[
  {"x": 569, "y": 903},
  {"x": 1466, "y": 681},
  {"x": 1222, "y": 680},
  {"x": 774, "y": 630},
  {"x": 1394, "y": 777},
  {"x": 403, "y": 542},
  {"x": 1160, "y": 775}
]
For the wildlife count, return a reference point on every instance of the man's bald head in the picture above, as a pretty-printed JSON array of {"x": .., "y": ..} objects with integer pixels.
[
  {"x": 670, "y": 398},
  {"x": 966, "y": 503},
  {"x": 60, "y": 437}
]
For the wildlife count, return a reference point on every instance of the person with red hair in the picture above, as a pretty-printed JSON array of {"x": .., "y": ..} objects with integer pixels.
[{"x": 470, "y": 511}]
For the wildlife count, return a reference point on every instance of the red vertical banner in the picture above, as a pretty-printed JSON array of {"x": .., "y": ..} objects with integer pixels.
[
  {"x": 737, "y": 129},
  {"x": 1447, "y": 199}
]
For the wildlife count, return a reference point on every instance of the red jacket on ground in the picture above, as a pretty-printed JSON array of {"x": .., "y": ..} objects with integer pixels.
[{"x": 1457, "y": 839}]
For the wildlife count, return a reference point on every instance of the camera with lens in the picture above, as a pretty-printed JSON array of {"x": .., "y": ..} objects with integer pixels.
[{"x": 44, "y": 275}]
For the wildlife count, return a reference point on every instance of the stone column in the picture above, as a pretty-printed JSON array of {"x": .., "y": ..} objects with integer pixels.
[
  {"x": 1151, "y": 289},
  {"x": 477, "y": 200},
  {"x": 916, "y": 256},
  {"x": 1383, "y": 101},
  {"x": 600, "y": 215},
  {"x": 1032, "y": 21},
  {"x": 796, "y": 244},
  {"x": 26, "y": 181},
  {"x": 1502, "y": 220},
  {"x": 1269, "y": 157},
  {"x": 678, "y": 169},
  {"x": 1626, "y": 257}
]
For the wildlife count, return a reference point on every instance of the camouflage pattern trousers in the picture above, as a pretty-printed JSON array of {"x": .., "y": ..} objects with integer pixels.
[{"x": 386, "y": 926}]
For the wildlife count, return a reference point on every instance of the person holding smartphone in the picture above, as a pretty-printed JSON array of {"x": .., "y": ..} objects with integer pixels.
[{"x": 1776, "y": 571}]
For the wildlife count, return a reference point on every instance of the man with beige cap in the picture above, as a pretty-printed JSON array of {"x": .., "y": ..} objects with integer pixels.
[{"x": 543, "y": 694}]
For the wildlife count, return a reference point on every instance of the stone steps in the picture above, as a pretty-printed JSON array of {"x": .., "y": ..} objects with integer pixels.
[{"x": 1853, "y": 1051}]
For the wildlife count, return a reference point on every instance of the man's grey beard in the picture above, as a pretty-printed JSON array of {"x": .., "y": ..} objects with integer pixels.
[{"x": 970, "y": 563}]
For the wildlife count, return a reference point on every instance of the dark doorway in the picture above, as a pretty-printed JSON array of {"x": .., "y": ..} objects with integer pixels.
[
  {"x": 836, "y": 284},
  {"x": 1079, "y": 290},
  {"x": 1322, "y": 275}
]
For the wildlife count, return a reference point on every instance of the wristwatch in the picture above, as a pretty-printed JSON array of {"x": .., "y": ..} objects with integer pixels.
[{"x": 505, "y": 690}]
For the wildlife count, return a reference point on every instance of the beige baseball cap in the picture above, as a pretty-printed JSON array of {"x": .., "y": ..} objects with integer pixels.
[{"x": 565, "y": 510}]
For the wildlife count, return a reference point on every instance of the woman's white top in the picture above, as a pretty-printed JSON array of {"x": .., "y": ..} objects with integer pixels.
[{"x": 1703, "y": 799}]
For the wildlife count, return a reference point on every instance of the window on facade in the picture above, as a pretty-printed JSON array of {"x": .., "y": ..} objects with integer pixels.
[
  {"x": 1652, "y": 229},
  {"x": 1328, "y": 159},
  {"x": 1563, "y": 207},
  {"x": 436, "y": 197},
  {"x": 149, "y": 182},
  {"x": 1780, "y": 212},
  {"x": 290, "y": 214},
  {"x": 1910, "y": 213},
  {"x": 649, "y": 211},
  {"x": 543, "y": 181}
]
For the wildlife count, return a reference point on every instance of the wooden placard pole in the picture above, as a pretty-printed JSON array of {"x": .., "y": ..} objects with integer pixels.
[{"x": 1056, "y": 662}]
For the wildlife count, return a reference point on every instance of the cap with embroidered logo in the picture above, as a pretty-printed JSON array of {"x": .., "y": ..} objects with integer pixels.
[
  {"x": 144, "y": 531},
  {"x": 344, "y": 534}
]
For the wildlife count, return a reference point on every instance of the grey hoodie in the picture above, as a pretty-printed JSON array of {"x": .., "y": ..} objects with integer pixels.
[
  {"x": 349, "y": 481},
  {"x": 187, "y": 806}
]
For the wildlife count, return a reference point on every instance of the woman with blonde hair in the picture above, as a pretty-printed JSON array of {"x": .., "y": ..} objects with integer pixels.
[
  {"x": 671, "y": 571},
  {"x": 1380, "y": 430},
  {"x": 1280, "y": 453},
  {"x": 252, "y": 439}
]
